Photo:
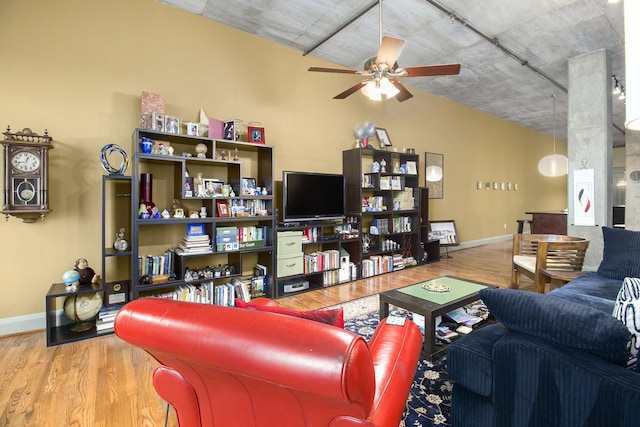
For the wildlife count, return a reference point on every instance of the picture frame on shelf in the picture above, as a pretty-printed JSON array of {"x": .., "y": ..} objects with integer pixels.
[
  {"x": 412, "y": 168},
  {"x": 229, "y": 130},
  {"x": 256, "y": 134},
  {"x": 171, "y": 124},
  {"x": 248, "y": 186},
  {"x": 383, "y": 138},
  {"x": 213, "y": 187},
  {"x": 223, "y": 208},
  {"x": 195, "y": 229},
  {"x": 157, "y": 121}
]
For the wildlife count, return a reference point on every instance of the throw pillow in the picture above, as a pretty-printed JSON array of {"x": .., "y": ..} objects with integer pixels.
[
  {"x": 559, "y": 321},
  {"x": 333, "y": 316},
  {"x": 627, "y": 310},
  {"x": 621, "y": 253}
]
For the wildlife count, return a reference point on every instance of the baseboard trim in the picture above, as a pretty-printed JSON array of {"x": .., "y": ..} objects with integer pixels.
[
  {"x": 474, "y": 243},
  {"x": 22, "y": 324}
]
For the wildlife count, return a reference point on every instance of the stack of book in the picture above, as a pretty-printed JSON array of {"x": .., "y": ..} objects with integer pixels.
[
  {"x": 106, "y": 317},
  {"x": 194, "y": 245}
]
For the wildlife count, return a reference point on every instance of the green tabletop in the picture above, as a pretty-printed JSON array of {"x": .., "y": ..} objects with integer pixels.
[{"x": 459, "y": 288}]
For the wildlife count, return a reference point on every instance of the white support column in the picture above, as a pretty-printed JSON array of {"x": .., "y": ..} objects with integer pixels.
[{"x": 590, "y": 140}]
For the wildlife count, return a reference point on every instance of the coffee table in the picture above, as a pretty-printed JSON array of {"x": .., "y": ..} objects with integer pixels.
[{"x": 431, "y": 305}]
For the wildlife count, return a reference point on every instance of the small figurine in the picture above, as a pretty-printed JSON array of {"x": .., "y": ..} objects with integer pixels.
[
  {"x": 142, "y": 212},
  {"x": 375, "y": 167},
  {"x": 70, "y": 279},
  {"x": 87, "y": 275},
  {"x": 383, "y": 166},
  {"x": 165, "y": 214},
  {"x": 235, "y": 155}
]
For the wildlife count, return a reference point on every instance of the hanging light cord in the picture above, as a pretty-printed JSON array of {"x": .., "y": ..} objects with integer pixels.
[{"x": 554, "y": 122}]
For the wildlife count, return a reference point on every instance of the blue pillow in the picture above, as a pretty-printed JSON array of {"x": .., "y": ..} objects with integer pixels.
[
  {"x": 621, "y": 254},
  {"x": 560, "y": 322}
]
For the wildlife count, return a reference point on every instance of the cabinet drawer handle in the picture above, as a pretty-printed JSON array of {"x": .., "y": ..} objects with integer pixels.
[
  {"x": 292, "y": 265},
  {"x": 290, "y": 243}
]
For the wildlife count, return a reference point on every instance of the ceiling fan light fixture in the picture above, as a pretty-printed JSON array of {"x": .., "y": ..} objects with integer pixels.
[
  {"x": 387, "y": 88},
  {"x": 372, "y": 91}
]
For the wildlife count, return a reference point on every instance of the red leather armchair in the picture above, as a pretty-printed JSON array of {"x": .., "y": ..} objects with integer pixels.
[{"x": 222, "y": 366}]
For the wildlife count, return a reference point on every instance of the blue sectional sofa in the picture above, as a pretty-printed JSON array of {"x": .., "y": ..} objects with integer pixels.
[{"x": 556, "y": 359}]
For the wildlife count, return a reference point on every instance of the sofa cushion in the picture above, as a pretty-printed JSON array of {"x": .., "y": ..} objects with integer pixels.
[
  {"x": 627, "y": 310},
  {"x": 560, "y": 322},
  {"x": 621, "y": 253},
  {"x": 334, "y": 316},
  {"x": 591, "y": 290}
]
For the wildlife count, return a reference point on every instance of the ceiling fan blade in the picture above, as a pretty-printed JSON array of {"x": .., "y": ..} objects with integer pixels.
[
  {"x": 433, "y": 70},
  {"x": 389, "y": 51},
  {"x": 404, "y": 93},
  {"x": 333, "y": 70},
  {"x": 350, "y": 91}
]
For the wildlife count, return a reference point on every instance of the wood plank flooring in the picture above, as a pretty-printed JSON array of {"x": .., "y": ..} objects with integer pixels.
[{"x": 104, "y": 382}]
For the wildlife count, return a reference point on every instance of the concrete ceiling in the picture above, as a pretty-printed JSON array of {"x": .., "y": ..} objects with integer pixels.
[{"x": 490, "y": 38}]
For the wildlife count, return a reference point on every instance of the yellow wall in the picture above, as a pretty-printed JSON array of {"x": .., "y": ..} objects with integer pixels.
[{"x": 77, "y": 68}]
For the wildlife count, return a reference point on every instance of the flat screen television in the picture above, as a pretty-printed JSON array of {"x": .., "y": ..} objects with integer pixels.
[{"x": 308, "y": 196}]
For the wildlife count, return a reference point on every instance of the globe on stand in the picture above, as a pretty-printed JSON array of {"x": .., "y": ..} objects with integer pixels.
[{"x": 81, "y": 309}]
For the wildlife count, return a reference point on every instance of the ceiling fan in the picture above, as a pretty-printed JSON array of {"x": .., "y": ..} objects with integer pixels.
[{"x": 383, "y": 71}]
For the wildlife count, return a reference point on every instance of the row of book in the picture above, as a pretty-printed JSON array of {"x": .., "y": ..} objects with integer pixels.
[
  {"x": 219, "y": 294},
  {"x": 401, "y": 224},
  {"x": 330, "y": 278},
  {"x": 107, "y": 317},
  {"x": 321, "y": 261},
  {"x": 377, "y": 264},
  {"x": 155, "y": 265}
]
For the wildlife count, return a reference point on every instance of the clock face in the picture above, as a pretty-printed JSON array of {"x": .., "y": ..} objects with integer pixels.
[{"x": 25, "y": 161}]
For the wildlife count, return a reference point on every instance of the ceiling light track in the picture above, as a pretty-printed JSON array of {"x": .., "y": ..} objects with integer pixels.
[
  {"x": 344, "y": 25},
  {"x": 494, "y": 41}
]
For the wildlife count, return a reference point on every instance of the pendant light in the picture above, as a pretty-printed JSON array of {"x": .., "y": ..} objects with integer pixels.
[{"x": 554, "y": 164}]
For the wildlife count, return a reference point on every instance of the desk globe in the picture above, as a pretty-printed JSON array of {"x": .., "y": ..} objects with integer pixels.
[{"x": 81, "y": 308}]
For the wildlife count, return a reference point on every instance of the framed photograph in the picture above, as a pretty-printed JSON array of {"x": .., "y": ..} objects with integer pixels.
[
  {"x": 383, "y": 137},
  {"x": 213, "y": 187},
  {"x": 412, "y": 169},
  {"x": 223, "y": 208},
  {"x": 248, "y": 186},
  {"x": 256, "y": 135},
  {"x": 195, "y": 229},
  {"x": 171, "y": 124},
  {"x": 445, "y": 231},
  {"x": 229, "y": 130},
  {"x": 188, "y": 186},
  {"x": 157, "y": 121},
  {"x": 434, "y": 174}
]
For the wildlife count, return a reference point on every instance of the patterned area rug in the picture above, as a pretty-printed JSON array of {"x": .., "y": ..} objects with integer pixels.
[{"x": 429, "y": 402}]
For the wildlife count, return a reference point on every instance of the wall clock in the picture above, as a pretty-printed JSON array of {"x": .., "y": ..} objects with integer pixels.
[{"x": 25, "y": 171}]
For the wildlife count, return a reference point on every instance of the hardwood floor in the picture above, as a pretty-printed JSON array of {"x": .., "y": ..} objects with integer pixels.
[{"x": 105, "y": 382}]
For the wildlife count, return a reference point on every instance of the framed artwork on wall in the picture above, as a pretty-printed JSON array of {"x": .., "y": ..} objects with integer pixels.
[{"x": 434, "y": 174}]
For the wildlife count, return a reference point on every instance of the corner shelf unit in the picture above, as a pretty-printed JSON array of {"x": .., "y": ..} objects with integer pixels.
[
  {"x": 313, "y": 255},
  {"x": 152, "y": 238},
  {"x": 387, "y": 203},
  {"x": 115, "y": 267}
]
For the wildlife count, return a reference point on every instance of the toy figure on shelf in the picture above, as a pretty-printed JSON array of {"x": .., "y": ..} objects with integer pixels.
[
  {"x": 375, "y": 167},
  {"x": 383, "y": 166},
  {"x": 87, "y": 275}
]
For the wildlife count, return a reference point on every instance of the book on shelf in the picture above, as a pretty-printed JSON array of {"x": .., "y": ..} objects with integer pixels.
[{"x": 103, "y": 325}]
